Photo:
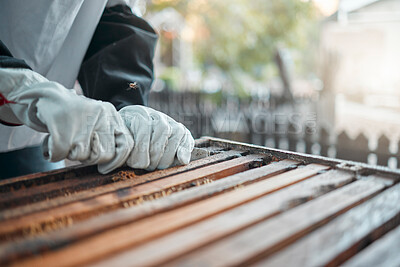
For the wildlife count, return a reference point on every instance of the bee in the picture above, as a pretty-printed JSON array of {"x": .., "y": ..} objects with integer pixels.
[{"x": 132, "y": 86}]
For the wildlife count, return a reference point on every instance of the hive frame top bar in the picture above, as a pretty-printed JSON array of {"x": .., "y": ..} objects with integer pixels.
[
  {"x": 361, "y": 169},
  {"x": 358, "y": 167}
]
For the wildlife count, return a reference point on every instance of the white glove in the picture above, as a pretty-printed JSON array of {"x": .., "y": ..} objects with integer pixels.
[
  {"x": 79, "y": 128},
  {"x": 158, "y": 138}
]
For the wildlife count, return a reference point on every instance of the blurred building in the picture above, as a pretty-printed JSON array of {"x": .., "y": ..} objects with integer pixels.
[
  {"x": 364, "y": 36},
  {"x": 360, "y": 50}
]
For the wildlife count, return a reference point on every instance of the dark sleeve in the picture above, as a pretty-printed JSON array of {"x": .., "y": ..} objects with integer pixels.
[
  {"x": 8, "y": 61},
  {"x": 121, "y": 52}
]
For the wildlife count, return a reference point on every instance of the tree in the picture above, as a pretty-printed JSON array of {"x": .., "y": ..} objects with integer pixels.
[{"x": 240, "y": 37}]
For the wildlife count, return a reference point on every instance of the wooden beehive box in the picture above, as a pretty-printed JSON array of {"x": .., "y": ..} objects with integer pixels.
[{"x": 242, "y": 205}]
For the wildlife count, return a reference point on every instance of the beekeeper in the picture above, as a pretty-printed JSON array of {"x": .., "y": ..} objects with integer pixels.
[{"x": 46, "y": 45}]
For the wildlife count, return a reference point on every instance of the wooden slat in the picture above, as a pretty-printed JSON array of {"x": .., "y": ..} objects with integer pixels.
[
  {"x": 384, "y": 252},
  {"x": 305, "y": 158},
  {"x": 30, "y": 180},
  {"x": 271, "y": 235},
  {"x": 109, "y": 201},
  {"x": 50, "y": 190},
  {"x": 203, "y": 233},
  {"x": 202, "y": 142},
  {"x": 146, "y": 229},
  {"x": 346, "y": 235},
  {"x": 35, "y": 179},
  {"x": 72, "y": 179},
  {"x": 57, "y": 239},
  {"x": 35, "y": 207}
]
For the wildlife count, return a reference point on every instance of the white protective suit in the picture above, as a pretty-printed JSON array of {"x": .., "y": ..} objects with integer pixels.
[
  {"x": 53, "y": 48},
  {"x": 52, "y": 36}
]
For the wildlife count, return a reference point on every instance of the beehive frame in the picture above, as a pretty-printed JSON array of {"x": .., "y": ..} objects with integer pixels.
[{"x": 241, "y": 205}]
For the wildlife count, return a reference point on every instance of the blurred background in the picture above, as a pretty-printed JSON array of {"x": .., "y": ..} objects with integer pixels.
[{"x": 314, "y": 76}]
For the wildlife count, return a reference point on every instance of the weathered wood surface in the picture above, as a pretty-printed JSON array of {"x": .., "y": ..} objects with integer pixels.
[
  {"x": 110, "y": 201},
  {"x": 50, "y": 190},
  {"x": 346, "y": 235},
  {"x": 384, "y": 252},
  {"x": 268, "y": 237},
  {"x": 107, "y": 221},
  {"x": 243, "y": 205},
  {"x": 143, "y": 230},
  {"x": 182, "y": 241},
  {"x": 76, "y": 196},
  {"x": 27, "y": 181}
]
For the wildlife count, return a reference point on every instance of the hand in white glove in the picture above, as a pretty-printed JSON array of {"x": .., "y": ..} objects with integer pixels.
[
  {"x": 79, "y": 128},
  {"x": 158, "y": 138}
]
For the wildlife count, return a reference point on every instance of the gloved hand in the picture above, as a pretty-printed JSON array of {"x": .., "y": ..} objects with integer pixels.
[
  {"x": 158, "y": 138},
  {"x": 79, "y": 128}
]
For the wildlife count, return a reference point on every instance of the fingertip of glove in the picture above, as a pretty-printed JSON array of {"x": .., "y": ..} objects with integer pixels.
[
  {"x": 150, "y": 169},
  {"x": 162, "y": 167},
  {"x": 102, "y": 170},
  {"x": 124, "y": 145},
  {"x": 106, "y": 168},
  {"x": 183, "y": 155},
  {"x": 136, "y": 163},
  {"x": 50, "y": 152}
]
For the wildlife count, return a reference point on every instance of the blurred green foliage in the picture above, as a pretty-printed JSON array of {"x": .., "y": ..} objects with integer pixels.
[
  {"x": 241, "y": 36},
  {"x": 171, "y": 76}
]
